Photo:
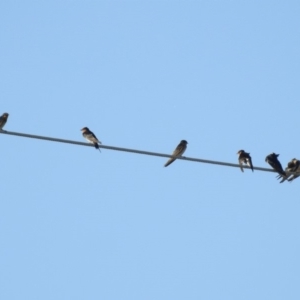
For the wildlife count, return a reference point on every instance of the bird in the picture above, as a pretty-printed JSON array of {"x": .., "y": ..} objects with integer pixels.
[
  {"x": 296, "y": 170},
  {"x": 290, "y": 170},
  {"x": 90, "y": 137},
  {"x": 273, "y": 161},
  {"x": 3, "y": 120},
  {"x": 177, "y": 152},
  {"x": 245, "y": 158}
]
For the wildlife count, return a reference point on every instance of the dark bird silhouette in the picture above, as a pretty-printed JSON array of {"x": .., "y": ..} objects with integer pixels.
[
  {"x": 3, "y": 120},
  {"x": 177, "y": 152},
  {"x": 273, "y": 161},
  {"x": 245, "y": 158}
]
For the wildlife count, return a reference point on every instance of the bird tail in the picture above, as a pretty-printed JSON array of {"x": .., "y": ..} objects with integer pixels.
[
  {"x": 169, "y": 161},
  {"x": 283, "y": 173},
  {"x": 251, "y": 166},
  {"x": 97, "y": 146},
  {"x": 283, "y": 179}
]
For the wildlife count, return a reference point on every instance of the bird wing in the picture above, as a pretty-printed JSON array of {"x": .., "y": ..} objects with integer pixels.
[
  {"x": 177, "y": 152},
  {"x": 91, "y": 137},
  {"x": 277, "y": 166},
  {"x": 250, "y": 163}
]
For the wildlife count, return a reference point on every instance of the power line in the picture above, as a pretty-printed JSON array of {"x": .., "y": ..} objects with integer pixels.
[{"x": 133, "y": 151}]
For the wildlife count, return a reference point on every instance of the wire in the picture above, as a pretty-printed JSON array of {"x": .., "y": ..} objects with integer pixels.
[{"x": 133, "y": 151}]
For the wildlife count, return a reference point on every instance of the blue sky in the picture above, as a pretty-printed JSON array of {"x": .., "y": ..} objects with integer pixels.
[{"x": 76, "y": 224}]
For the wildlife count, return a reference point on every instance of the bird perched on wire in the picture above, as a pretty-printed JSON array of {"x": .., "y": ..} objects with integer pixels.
[
  {"x": 245, "y": 158},
  {"x": 90, "y": 137},
  {"x": 3, "y": 120},
  {"x": 177, "y": 152},
  {"x": 296, "y": 170},
  {"x": 292, "y": 167},
  {"x": 273, "y": 161}
]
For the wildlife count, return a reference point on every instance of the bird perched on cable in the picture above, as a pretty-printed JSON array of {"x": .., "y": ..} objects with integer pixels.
[
  {"x": 3, "y": 120},
  {"x": 90, "y": 137},
  {"x": 292, "y": 166},
  {"x": 245, "y": 158},
  {"x": 273, "y": 161},
  {"x": 177, "y": 152},
  {"x": 296, "y": 170}
]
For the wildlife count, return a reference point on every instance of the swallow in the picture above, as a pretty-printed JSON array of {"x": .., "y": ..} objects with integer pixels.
[
  {"x": 3, "y": 120},
  {"x": 296, "y": 170},
  {"x": 245, "y": 158},
  {"x": 273, "y": 161},
  {"x": 291, "y": 168},
  {"x": 90, "y": 137},
  {"x": 177, "y": 152}
]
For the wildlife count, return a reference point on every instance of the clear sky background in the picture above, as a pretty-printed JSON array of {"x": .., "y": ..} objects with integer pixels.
[{"x": 77, "y": 224}]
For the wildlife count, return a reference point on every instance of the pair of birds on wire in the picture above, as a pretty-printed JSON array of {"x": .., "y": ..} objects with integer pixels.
[
  {"x": 180, "y": 149},
  {"x": 292, "y": 171}
]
